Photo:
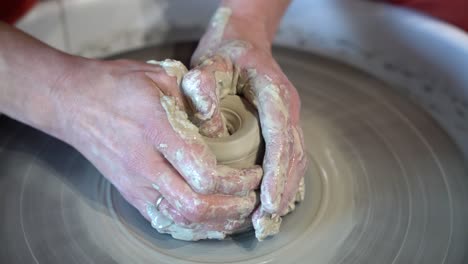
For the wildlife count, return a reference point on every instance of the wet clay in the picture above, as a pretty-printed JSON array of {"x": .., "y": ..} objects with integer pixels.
[{"x": 244, "y": 146}]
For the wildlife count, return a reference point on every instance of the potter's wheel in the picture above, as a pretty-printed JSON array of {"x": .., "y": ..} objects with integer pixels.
[{"x": 386, "y": 185}]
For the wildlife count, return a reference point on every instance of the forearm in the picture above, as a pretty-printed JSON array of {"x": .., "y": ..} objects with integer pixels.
[
  {"x": 260, "y": 17},
  {"x": 30, "y": 74}
]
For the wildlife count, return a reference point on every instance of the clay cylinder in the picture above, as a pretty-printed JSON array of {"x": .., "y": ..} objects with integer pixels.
[{"x": 244, "y": 146}]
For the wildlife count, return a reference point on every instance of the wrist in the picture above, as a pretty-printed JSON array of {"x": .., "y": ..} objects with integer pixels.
[
  {"x": 60, "y": 114},
  {"x": 260, "y": 16},
  {"x": 34, "y": 79},
  {"x": 248, "y": 29}
]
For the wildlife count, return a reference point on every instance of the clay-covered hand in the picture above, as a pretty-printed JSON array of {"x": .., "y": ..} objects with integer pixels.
[
  {"x": 127, "y": 118},
  {"x": 234, "y": 57}
]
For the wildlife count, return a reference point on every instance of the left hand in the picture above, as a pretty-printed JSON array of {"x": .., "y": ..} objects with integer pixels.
[{"x": 235, "y": 58}]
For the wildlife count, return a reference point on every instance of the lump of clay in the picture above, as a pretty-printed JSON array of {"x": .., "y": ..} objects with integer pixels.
[{"x": 244, "y": 146}]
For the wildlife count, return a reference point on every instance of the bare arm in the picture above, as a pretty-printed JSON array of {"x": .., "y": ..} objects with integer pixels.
[
  {"x": 262, "y": 17},
  {"x": 30, "y": 72}
]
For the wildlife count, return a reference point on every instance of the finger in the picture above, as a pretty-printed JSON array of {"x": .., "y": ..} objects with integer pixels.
[
  {"x": 169, "y": 79},
  {"x": 297, "y": 168},
  {"x": 201, "y": 208},
  {"x": 142, "y": 197},
  {"x": 238, "y": 181},
  {"x": 196, "y": 232},
  {"x": 227, "y": 226},
  {"x": 188, "y": 234},
  {"x": 168, "y": 226},
  {"x": 188, "y": 153},
  {"x": 274, "y": 120},
  {"x": 145, "y": 203},
  {"x": 162, "y": 215},
  {"x": 170, "y": 212},
  {"x": 205, "y": 86},
  {"x": 166, "y": 219},
  {"x": 265, "y": 224}
]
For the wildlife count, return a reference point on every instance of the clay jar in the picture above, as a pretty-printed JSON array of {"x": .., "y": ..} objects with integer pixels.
[{"x": 244, "y": 146}]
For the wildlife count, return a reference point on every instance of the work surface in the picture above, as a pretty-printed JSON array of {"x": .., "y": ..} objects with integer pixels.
[{"x": 386, "y": 185}]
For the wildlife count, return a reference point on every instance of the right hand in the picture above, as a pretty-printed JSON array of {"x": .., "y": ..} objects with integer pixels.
[{"x": 125, "y": 117}]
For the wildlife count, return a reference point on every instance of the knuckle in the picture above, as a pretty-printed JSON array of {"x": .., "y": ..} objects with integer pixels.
[{"x": 201, "y": 180}]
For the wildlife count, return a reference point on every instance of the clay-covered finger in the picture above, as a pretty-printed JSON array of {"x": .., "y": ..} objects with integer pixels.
[
  {"x": 238, "y": 181},
  {"x": 194, "y": 232},
  {"x": 265, "y": 224},
  {"x": 197, "y": 207},
  {"x": 295, "y": 176},
  {"x": 170, "y": 212},
  {"x": 276, "y": 166},
  {"x": 142, "y": 197},
  {"x": 274, "y": 119},
  {"x": 294, "y": 192},
  {"x": 189, "y": 234},
  {"x": 205, "y": 86},
  {"x": 168, "y": 78},
  {"x": 228, "y": 226}
]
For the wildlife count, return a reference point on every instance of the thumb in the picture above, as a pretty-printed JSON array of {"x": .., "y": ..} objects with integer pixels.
[{"x": 204, "y": 87}]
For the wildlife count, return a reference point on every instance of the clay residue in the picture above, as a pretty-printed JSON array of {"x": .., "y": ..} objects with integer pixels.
[
  {"x": 164, "y": 225},
  {"x": 266, "y": 225},
  {"x": 172, "y": 68},
  {"x": 179, "y": 120}
]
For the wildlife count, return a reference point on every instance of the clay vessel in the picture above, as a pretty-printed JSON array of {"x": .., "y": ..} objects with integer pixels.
[{"x": 244, "y": 146}]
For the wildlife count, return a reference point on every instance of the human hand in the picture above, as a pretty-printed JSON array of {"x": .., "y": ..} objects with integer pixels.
[
  {"x": 127, "y": 118},
  {"x": 234, "y": 57}
]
